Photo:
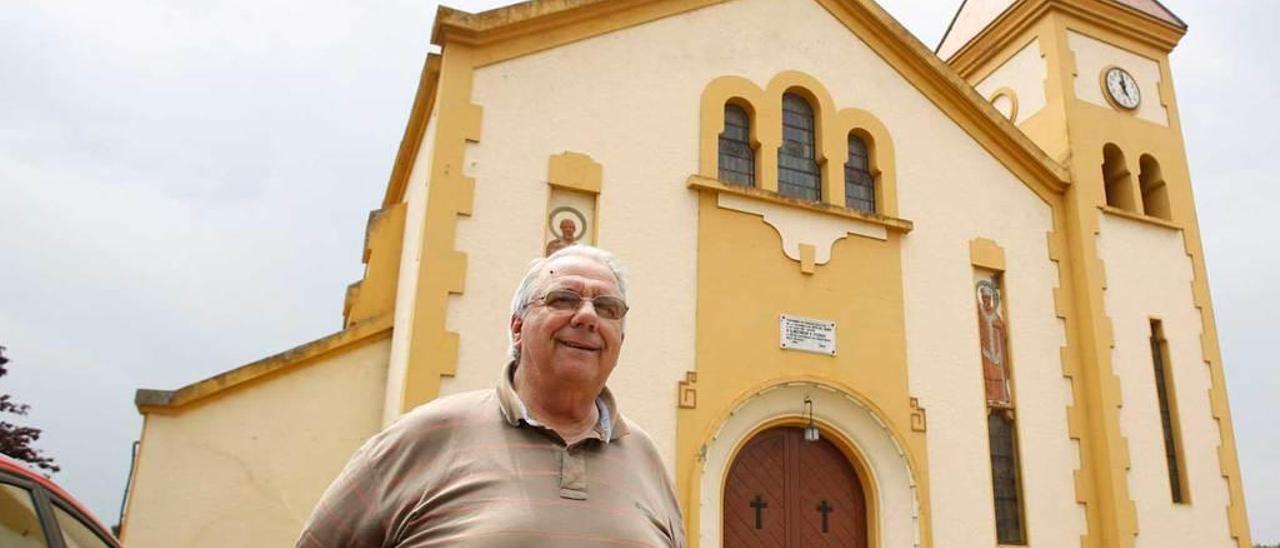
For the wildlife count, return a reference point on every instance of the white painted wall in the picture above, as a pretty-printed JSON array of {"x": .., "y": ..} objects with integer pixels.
[
  {"x": 614, "y": 97},
  {"x": 1094, "y": 56},
  {"x": 415, "y": 196},
  {"x": 1024, "y": 74},
  {"x": 954, "y": 197},
  {"x": 1149, "y": 276},
  {"x": 246, "y": 468}
]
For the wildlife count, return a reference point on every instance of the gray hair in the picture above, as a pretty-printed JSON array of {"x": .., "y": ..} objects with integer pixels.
[{"x": 534, "y": 275}]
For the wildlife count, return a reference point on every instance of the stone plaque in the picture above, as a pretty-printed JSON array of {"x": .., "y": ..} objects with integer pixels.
[{"x": 806, "y": 334}]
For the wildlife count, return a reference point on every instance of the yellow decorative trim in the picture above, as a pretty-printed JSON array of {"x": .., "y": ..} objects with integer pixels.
[
  {"x": 575, "y": 171},
  {"x": 698, "y": 182},
  {"x": 999, "y": 34},
  {"x": 955, "y": 97},
  {"x": 432, "y": 350},
  {"x": 1228, "y": 459},
  {"x": 766, "y": 127},
  {"x": 880, "y": 152},
  {"x": 170, "y": 401},
  {"x": 375, "y": 294},
  {"x": 831, "y": 132},
  {"x": 1013, "y": 101},
  {"x": 919, "y": 417},
  {"x": 986, "y": 254},
  {"x": 528, "y": 27},
  {"x": 806, "y": 258},
  {"x": 423, "y": 101},
  {"x": 1109, "y": 210}
]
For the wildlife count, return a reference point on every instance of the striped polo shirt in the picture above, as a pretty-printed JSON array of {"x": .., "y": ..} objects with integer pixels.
[{"x": 474, "y": 469}]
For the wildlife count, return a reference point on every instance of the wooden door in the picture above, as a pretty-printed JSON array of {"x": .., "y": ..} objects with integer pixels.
[{"x": 783, "y": 491}]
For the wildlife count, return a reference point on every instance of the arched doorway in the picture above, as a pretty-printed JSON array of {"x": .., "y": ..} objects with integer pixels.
[{"x": 783, "y": 491}]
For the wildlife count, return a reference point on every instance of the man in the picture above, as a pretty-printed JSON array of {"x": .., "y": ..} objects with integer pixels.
[{"x": 543, "y": 460}]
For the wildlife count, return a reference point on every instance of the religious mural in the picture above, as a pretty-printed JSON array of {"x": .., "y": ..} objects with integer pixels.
[
  {"x": 570, "y": 220},
  {"x": 992, "y": 338}
]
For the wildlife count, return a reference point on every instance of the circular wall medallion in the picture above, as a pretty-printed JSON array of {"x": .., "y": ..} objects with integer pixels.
[
  {"x": 1121, "y": 88},
  {"x": 561, "y": 214}
]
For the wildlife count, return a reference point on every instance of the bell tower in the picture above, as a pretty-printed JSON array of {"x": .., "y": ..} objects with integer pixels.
[{"x": 1089, "y": 82}]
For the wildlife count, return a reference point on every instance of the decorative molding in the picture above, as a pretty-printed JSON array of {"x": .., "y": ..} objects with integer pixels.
[
  {"x": 170, "y": 401},
  {"x": 375, "y": 293},
  {"x": 423, "y": 103},
  {"x": 892, "y": 224},
  {"x": 799, "y": 229},
  {"x": 575, "y": 171},
  {"x": 1110, "y": 210},
  {"x": 1008, "y": 92},
  {"x": 433, "y": 350},
  {"x": 986, "y": 254},
  {"x": 919, "y": 420},
  {"x": 831, "y": 133},
  {"x": 687, "y": 391}
]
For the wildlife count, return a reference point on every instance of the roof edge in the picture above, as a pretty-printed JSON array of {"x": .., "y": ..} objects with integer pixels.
[
  {"x": 151, "y": 400},
  {"x": 455, "y": 25},
  {"x": 950, "y": 26},
  {"x": 1025, "y": 151},
  {"x": 1142, "y": 27},
  {"x": 424, "y": 101}
]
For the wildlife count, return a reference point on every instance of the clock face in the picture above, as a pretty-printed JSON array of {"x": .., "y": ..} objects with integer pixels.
[{"x": 1123, "y": 89}]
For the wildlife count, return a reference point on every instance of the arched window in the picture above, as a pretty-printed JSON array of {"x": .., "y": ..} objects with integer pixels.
[
  {"x": 737, "y": 158},
  {"x": 1155, "y": 193},
  {"x": 1118, "y": 183},
  {"x": 859, "y": 185},
  {"x": 797, "y": 167}
]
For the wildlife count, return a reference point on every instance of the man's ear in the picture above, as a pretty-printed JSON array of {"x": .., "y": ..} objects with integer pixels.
[{"x": 517, "y": 327}]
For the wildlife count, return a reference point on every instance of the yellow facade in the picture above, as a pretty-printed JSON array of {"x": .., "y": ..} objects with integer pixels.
[{"x": 961, "y": 187}]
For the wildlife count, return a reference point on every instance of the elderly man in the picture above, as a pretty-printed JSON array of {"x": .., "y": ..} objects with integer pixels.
[{"x": 545, "y": 459}]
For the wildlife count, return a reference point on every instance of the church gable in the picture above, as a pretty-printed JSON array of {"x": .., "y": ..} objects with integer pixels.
[
  {"x": 632, "y": 100},
  {"x": 635, "y": 112}
]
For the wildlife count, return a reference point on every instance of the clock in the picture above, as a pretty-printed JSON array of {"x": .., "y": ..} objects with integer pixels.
[{"x": 1122, "y": 88}]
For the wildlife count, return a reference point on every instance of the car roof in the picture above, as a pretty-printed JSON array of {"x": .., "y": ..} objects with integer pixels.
[{"x": 19, "y": 469}]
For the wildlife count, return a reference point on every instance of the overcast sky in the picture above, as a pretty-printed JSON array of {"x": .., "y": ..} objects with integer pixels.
[{"x": 184, "y": 187}]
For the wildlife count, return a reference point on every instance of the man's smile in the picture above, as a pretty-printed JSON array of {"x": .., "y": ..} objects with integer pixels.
[{"x": 580, "y": 345}]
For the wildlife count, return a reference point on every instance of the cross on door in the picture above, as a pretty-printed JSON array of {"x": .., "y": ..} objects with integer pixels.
[
  {"x": 785, "y": 492},
  {"x": 825, "y": 509},
  {"x": 759, "y": 504}
]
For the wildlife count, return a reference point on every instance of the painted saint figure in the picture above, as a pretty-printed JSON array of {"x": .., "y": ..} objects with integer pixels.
[
  {"x": 991, "y": 330},
  {"x": 567, "y": 237}
]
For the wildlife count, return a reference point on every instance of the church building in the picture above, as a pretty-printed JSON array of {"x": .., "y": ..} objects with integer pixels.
[{"x": 881, "y": 295}]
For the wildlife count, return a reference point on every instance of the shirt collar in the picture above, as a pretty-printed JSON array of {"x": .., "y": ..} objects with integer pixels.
[{"x": 609, "y": 426}]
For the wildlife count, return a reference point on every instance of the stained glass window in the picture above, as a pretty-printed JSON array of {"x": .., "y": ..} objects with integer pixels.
[
  {"x": 1004, "y": 477},
  {"x": 797, "y": 165},
  {"x": 1001, "y": 424},
  {"x": 859, "y": 186},
  {"x": 1165, "y": 398},
  {"x": 737, "y": 158}
]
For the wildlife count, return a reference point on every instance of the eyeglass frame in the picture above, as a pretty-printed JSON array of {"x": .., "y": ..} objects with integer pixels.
[{"x": 595, "y": 305}]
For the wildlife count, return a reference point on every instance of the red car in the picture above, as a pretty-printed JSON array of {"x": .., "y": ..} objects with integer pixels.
[{"x": 36, "y": 513}]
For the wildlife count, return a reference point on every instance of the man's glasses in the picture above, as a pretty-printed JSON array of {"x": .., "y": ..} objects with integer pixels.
[{"x": 607, "y": 306}]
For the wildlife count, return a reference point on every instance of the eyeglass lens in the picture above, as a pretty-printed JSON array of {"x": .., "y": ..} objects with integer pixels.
[{"x": 607, "y": 306}]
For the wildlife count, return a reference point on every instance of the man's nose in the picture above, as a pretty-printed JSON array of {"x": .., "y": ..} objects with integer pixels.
[{"x": 586, "y": 316}]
